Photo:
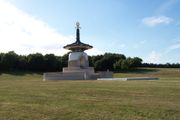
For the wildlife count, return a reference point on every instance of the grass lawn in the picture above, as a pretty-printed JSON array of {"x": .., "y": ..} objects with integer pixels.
[{"x": 24, "y": 96}]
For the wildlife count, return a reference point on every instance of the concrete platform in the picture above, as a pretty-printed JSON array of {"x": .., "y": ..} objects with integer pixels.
[
  {"x": 79, "y": 75},
  {"x": 130, "y": 78}
]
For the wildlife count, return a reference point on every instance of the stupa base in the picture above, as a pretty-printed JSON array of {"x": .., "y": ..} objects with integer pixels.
[{"x": 76, "y": 75}]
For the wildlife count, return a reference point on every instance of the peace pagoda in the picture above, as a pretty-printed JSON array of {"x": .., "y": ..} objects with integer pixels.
[{"x": 78, "y": 64}]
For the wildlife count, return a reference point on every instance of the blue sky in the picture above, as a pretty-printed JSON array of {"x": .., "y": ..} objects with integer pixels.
[{"x": 149, "y": 29}]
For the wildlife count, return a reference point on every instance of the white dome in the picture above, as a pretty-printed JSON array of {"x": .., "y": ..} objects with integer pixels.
[{"x": 77, "y": 56}]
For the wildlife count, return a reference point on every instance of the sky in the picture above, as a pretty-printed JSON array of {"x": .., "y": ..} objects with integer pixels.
[{"x": 149, "y": 29}]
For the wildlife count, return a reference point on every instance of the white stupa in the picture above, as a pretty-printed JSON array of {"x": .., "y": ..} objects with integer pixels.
[{"x": 78, "y": 64}]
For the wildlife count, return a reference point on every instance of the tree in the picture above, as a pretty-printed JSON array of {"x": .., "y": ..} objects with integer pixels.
[
  {"x": 59, "y": 63},
  {"x": 9, "y": 60},
  {"x": 137, "y": 62},
  {"x": 1, "y": 65},
  {"x": 107, "y": 61},
  {"x": 50, "y": 62},
  {"x": 22, "y": 63},
  {"x": 125, "y": 64},
  {"x": 122, "y": 64},
  {"x": 90, "y": 61},
  {"x": 94, "y": 59},
  {"x": 102, "y": 64},
  {"x": 64, "y": 59},
  {"x": 117, "y": 65},
  {"x": 36, "y": 62}
]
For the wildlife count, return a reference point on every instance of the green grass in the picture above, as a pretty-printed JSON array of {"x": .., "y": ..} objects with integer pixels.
[
  {"x": 24, "y": 96},
  {"x": 163, "y": 73}
]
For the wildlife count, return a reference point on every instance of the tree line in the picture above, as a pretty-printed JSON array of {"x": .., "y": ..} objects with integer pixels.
[
  {"x": 166, "y": 65},
  {"x": 42, "y": 63}
]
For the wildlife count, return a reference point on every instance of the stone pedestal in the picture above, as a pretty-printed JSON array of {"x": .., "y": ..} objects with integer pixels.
[
  {"x": 76, "y": 75},
  {"x": 78, "y": 69}
]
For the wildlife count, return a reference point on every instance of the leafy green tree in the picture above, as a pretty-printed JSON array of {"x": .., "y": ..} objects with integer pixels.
[
  {"x": 106, "y": 63},
  {"x": 1, "y": 65},
  {"x": 64, "y": 59},
  {"x": 36, "y": 62},
  {"x": 102, "y": 64},
  {"x": 117, "y": 65},
  {"x": 94, "y": 59},
  {"x": 22, "y": 63},
  {"x": 90, "y": 60},
  {"x": 9, "y": 60},
  {"x": 50, "y": 62},
  {"x": 59, "y": 63},
  {"x": 137, "y": 62},
  {"x": 125, "y": 65}
]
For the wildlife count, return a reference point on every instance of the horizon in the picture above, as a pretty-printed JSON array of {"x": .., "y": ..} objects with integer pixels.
[{"x": 145, "y": 29}]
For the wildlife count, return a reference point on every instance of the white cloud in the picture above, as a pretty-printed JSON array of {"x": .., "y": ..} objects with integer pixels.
[
  {"x": 177, "y": 39},
  {"x": 116, "y": 44},
  {"x": 94, "y": 51},
  {"x": 153, "y": 57},
  {"x": 139, "y": 44},
  {"x": 26, "y": 34},
  {"x": 156, "y": 20},
  {"x": 178, "y": 24},
  {"x": 176, "y": 46},
  {"x": 122, "y": 46}
]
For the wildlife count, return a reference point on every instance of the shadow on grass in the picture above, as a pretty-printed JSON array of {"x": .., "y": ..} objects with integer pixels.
[
  {"x": 20, "y": 73},
  {"x": 138, "y": 71}
]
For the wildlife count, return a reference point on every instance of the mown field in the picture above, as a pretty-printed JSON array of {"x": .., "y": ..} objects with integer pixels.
[{"x": 24, "y": 96}]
